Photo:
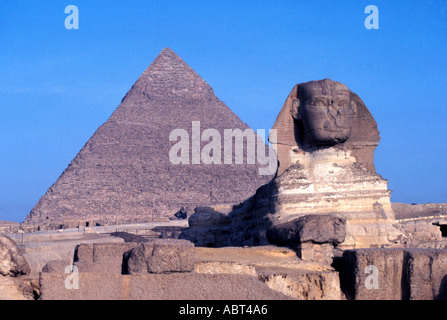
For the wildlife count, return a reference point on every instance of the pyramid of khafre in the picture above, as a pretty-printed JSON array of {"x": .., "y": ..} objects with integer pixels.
[{"x": 124, "y": 171}]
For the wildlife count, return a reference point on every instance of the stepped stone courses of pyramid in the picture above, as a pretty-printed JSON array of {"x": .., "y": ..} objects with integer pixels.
[{"x": 124, "y": 170}]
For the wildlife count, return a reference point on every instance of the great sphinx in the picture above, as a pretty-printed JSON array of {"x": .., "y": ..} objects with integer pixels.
[{"x": 325, "y": 141}]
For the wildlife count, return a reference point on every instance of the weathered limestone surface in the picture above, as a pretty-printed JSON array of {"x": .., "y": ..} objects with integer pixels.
[
  {"x": 160, "y": 256},
  {"x": 332, "y": 182},
  {"x": 12, "y": 262},
  {"x": 420, "y": 232},
  {"x": 313, "y": 228},
  {"x": 153, "y": 256},
  {"x": 425, "y": 274},
  {"x": 101, "y": 257},
  {"x": 404, "y": 211},
  {"x": 323, "y": 253},
  {"x": 360, "y": 267},
  {"x": 39, "y": 252},
  {"x": 225, "y": 273},
  {"x": 179, "y": 271},
  {"x": 395, "y": 274},
  {"x": 314, "y": 237},
  {"x": 9, "y": 227},
  {"x": 13, "y": 268},
  {"x": 175, "y": 286},
  {"x": 57, "y": 266},
  {"x": 123, "y": 172},
  {"x": 303, "y": 285},
  {"x": 219, "y": 267},
  {"x": 12, "y": 288},
  {"x": 279, "y": 268},
  {"x": 424, "y": 225}
]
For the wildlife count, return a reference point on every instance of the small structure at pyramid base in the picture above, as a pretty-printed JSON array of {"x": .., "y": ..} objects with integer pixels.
[{"x": 325, "y": 139}]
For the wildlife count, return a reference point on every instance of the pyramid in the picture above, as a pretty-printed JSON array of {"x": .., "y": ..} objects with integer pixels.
[{"x": 124, "y": 171}]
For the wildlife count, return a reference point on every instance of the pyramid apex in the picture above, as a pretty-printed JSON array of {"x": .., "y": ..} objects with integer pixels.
[
  {"x": 167, "y": 50},
  {"x": 168, "y": 74},
  {"x": 168, "y": 53}
]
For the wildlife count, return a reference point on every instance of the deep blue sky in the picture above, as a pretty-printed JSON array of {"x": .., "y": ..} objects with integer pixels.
[{"x": 57, "y": 85}]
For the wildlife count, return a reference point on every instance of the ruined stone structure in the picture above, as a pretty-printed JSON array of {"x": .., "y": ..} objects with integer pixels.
[
  {"x": 13, "y": 271},
  {"x": 326, "y": 139},
  {"x": 124, "y": 172},
  {"x": 175, "y": 270},
  {"x": 155, "y": 270},
  {"x": 397, "y": 274},
  {"x": 424, "y": 225}
]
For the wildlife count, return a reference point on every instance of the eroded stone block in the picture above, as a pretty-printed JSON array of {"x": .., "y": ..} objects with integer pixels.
[
  {"x": 373, "y": 274},
  {"x": 425, "y": 274},
  {"x": 160, "y": 256}
]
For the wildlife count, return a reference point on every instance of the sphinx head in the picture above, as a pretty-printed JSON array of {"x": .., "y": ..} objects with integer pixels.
[{"x": 324, "y": 109}]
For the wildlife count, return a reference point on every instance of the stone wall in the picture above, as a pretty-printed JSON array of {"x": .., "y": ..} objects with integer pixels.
[
  {"x": 175, "y": 286},
  {"x": 171, "y": 269},
  {"x": 159, "y": 269},
  {"x": 31, "y": 227},
  {"x": 395, "y": 274}
]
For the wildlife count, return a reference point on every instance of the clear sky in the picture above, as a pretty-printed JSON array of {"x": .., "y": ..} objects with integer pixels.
[{"x": 57, "y": 85}]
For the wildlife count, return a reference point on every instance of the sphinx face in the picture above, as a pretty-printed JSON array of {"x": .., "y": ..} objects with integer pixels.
[{"x": 326, "y": 112}]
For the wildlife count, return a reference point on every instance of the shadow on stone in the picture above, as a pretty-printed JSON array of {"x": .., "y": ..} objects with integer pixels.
[
  {"x": 129, "y": 237},
  {"x": 442, "y": 295}
]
